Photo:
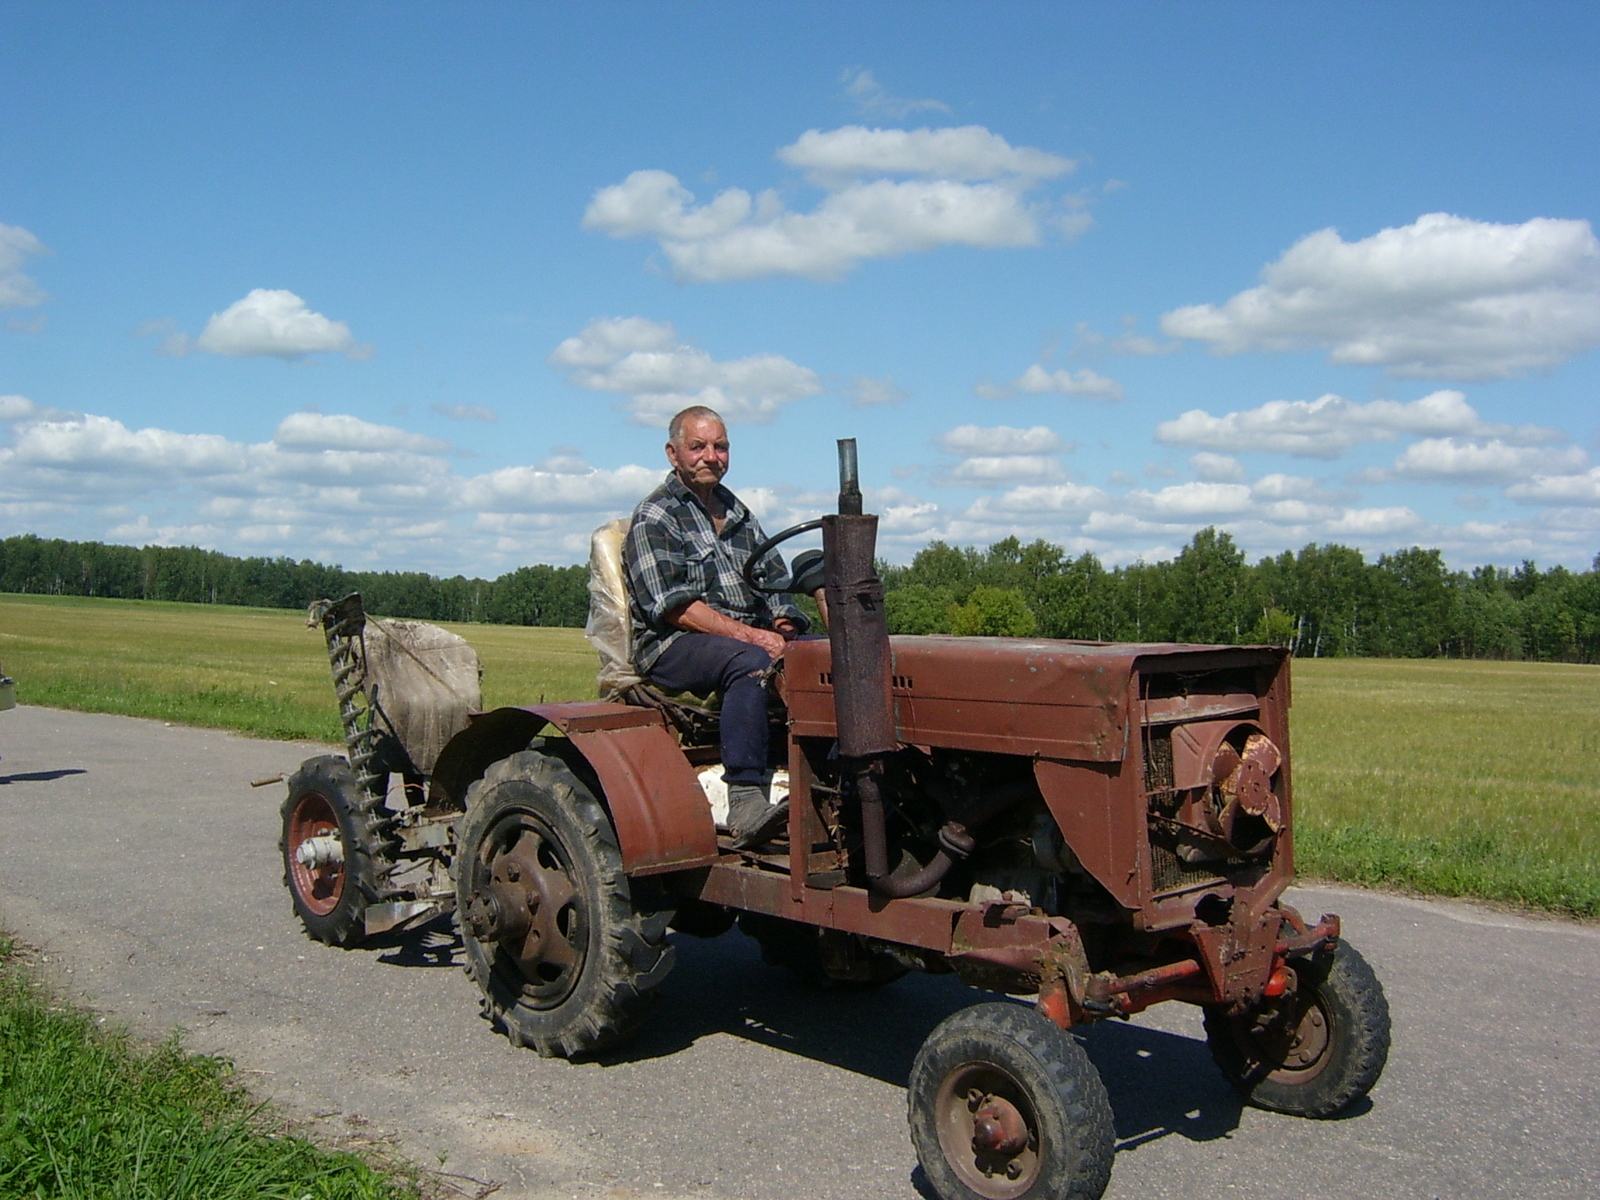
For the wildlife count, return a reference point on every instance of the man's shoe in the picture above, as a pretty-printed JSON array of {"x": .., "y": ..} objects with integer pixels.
[{"x": 753, "y": 820}]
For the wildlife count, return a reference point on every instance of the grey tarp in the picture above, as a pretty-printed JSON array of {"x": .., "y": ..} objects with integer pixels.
[{"x": 422, "y": 681}]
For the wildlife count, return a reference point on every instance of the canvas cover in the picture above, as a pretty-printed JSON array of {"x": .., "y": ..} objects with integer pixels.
[
  {"x": 422, "y": 682},
  {"x": 610, "y": 625}
]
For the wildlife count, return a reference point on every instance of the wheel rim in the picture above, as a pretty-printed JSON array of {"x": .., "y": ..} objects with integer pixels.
[
  {"x": 526, "y": 900},
  {"x": 319, "y": 887},
  {"x": 1290, "y": 1045},
  {"x": 988, "y": 1131}
]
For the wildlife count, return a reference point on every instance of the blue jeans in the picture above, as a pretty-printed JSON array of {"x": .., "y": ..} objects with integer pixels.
[{"x": 703, "y": 663}]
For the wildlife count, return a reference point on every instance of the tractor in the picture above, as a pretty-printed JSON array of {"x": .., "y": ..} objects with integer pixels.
[{"x": 1097, "y": 827}]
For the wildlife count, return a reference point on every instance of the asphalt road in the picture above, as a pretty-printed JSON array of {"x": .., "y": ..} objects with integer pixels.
[{"x": 140, "y": 862}]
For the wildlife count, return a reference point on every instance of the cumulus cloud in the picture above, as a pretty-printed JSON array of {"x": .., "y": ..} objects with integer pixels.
[
  {"x": 645, "y": 361},
  {"x": 16, "y": 408},
  {"x": 1330, "y": 425},
  {"x": 1128, "y": 344},
  {"x": 1000, "y": 454},
  {"x": 1037, "y": 381},
  {"x": 314, "y": 431},
  {"x": 888, "y": 192},
  {"x": 871, "y": 98},
  {"x": 274, "y": 323},
  {"x": 1216, "y": 468},
  {"x": 1193, "y": 500},
  {"x": 867, "y": 392},
  {"x": 1494, "y": 461},
  {"x": 1579, "y": 489},
  {"x": 100, "y": 445},
  {"x": 1442, "y": 298},
  {"x": 16, "y": 289}
]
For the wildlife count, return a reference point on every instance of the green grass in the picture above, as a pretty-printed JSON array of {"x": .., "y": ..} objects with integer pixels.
[
  {"x": 256, "y": 670},
  {"x": 1447, "y": 777},
  {"x": 90, "y": 1115},
  {"x": 1452, "y": 778}
]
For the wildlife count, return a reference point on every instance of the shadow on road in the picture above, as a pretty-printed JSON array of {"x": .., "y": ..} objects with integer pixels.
[
  {"x": 1160, "y": 1084},
  {"x": 42, "y": 776}
]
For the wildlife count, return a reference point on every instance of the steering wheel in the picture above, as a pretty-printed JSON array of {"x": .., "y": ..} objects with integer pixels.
[{"x": 766, "y": 547}]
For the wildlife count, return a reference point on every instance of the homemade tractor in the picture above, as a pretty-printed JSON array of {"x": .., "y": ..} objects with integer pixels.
[{"x": 1100, "y": 826}]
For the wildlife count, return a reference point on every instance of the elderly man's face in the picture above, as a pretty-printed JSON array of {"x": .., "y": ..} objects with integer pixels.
[{"x": 700, "y": 453}]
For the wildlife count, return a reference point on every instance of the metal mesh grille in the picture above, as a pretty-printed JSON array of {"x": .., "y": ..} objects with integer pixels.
[{"x": 1168, "y": 872}]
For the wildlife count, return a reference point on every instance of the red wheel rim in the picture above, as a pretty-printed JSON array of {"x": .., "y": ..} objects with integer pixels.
[{"x": 317, "y": 888}]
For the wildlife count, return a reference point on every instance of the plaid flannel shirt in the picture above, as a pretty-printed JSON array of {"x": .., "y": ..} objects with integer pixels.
[{"x": 674, "y": 555}]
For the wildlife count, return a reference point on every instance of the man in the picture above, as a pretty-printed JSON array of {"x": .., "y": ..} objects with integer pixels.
[{"x": 697, "y": 626}]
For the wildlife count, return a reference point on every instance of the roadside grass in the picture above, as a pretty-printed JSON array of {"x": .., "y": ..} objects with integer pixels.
[
  {"x": 1452, "y": 778},
  {"x": 1438, "y": 776},
  {"x": 256, "y": 670},
  {"x": 93, "y": 1115}
]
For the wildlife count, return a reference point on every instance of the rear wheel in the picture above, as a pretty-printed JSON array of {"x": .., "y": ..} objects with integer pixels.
[
  {"x": 1316, "y": 1051},
  {"x": 569, "y": 952},
  {"x": 331, "y": 847},
  {"x": 1006, "y": 1106}
]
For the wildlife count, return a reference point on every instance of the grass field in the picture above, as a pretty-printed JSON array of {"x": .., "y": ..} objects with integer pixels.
[
  {"x": 1455, "y": 778},
  {"x": 86, "y": 1114}
]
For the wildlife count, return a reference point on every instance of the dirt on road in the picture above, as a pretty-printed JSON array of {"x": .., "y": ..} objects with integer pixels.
[{"x": 138, "y": 858}]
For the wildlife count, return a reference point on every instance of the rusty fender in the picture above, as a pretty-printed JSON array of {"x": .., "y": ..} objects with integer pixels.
[{"x": 662, "y": 819}]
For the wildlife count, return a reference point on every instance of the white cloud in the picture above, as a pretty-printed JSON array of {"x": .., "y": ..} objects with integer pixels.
[
  {"x": 1216, "y": 468},
  {"x": 1582, "y": 489},
  {"x": 1493, "y": 461},
  {"x": 1038, "y": 381},
  {"x": 873, "y": 100},
  {"x": 1193, "y": 500},
  {"x": 967, "y": 188},
  {"x": 1444, "y": 297},
  {"x": 1000, "y": 439},
  {"x": 314, "y": 431},
  {"x": 991, "y": 469},
  {"x": 660, "y": 375},
  {"x": 467, "y": 412},
  {"x": 272, "y": 322},
  {"x": 16, "y": 289},
  {"x": 866, "y": 392},
  {"x": 16, "y": 408},
  {"x": 1138, "y": 345},
  {"x": 101, "y": 445},
  {"x": 1330, "y": 425},
  {"x": 1374, "y": 522},
  {"x": 967, "y": 153}
]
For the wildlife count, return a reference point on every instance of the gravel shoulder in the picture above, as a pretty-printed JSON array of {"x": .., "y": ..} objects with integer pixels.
[{"x": 136, "y": 856}]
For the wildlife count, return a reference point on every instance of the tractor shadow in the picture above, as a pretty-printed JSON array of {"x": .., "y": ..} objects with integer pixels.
[
  {"x": 1160, "y": 1084},
  {"x": 433, "y": 943},
  {"x": 42, "y": 776}
]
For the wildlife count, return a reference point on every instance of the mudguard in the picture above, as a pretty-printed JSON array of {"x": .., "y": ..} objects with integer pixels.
[{"x": 662, "y": 817}]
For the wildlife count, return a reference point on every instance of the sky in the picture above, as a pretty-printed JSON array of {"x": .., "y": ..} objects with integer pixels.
[{"x": 416, "y": 286}]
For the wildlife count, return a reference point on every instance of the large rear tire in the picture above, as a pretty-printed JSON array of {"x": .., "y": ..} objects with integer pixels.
[
  {"x": 569, "y": 952},
  {"x": 1006, "y": 1106},
  {"x": 1315, "y": 1052},
  {"x": 332, "y": 848}
]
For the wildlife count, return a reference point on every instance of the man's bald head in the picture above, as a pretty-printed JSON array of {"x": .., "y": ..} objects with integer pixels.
[
  {"x": 697, "y": 448},
  {"x": 696, "y": 412}
]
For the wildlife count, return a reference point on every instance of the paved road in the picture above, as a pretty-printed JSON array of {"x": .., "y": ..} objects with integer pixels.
[{"x": 135, "y": 855}]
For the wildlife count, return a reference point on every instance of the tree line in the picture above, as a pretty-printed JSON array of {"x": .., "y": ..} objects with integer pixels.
[
  {"x": 536, "y": 595},
  {"x": 1322, "y": 601}
]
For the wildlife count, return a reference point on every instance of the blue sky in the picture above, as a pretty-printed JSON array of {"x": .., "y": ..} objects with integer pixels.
[{"x": 413, "y": 286}]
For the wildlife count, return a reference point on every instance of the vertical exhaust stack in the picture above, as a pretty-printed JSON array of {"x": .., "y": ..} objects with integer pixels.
[{"x": 858, "y": 629}]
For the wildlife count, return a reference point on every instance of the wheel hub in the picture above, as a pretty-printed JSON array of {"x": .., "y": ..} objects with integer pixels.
[
  {"x": 530, "y": 907},
  {"x": 315, "y": 852},
  {"x": 986, "y": 1131}
]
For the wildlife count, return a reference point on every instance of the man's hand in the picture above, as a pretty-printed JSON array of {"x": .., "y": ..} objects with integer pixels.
[{"x": 699, "y": 617}]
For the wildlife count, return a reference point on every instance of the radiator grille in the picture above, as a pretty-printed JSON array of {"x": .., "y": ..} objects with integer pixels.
[{"x": 1168, "y": 872}]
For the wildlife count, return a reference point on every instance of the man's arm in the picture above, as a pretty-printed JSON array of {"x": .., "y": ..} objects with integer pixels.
[{"x": 699, "y": 617}]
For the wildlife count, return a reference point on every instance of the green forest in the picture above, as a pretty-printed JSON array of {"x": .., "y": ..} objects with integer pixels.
[{"x": 1324, "y": 601}]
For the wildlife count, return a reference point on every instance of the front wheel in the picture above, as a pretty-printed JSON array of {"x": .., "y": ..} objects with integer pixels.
[
  {"x": 569, "y": 952},
  {"x": 1315, "y": 1052},
  {"x": 1006, "y": 1106},
  {"x": 332, "y": 847}
]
